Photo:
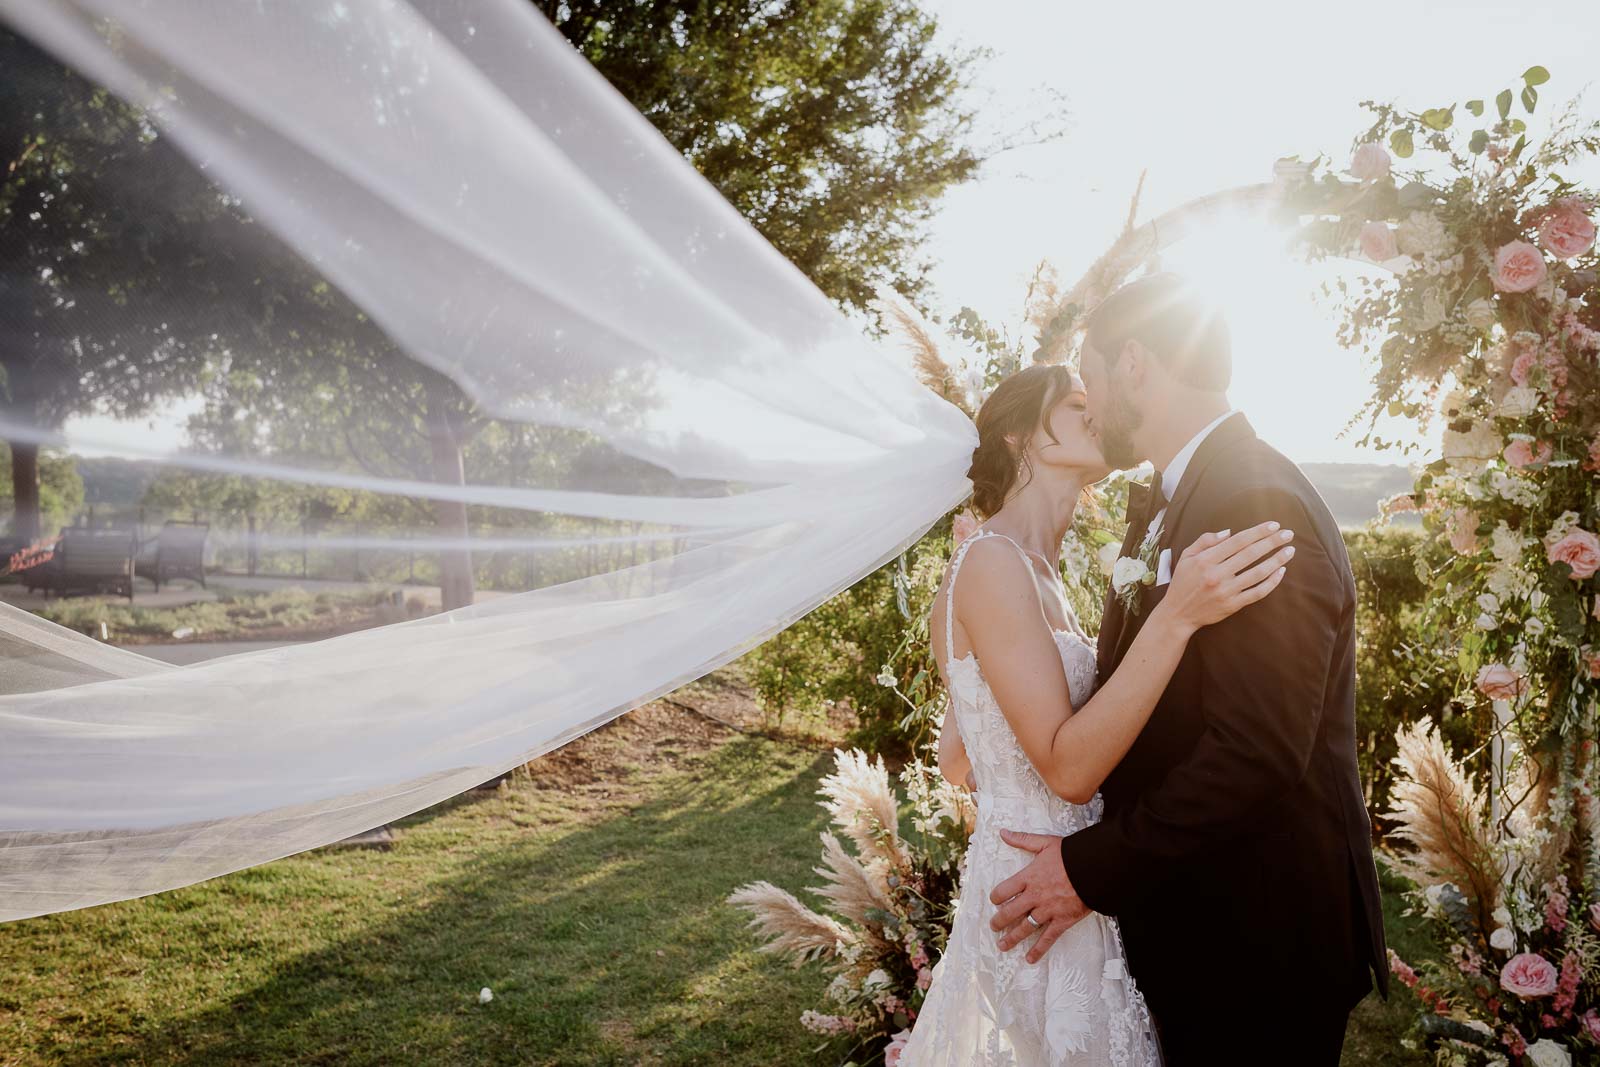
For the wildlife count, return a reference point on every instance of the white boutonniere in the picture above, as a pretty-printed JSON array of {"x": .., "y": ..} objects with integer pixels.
[{"x": 1130, "y": 574}]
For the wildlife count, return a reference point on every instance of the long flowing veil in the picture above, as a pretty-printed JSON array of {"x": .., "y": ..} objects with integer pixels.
[{"x": 338, "y": 209}]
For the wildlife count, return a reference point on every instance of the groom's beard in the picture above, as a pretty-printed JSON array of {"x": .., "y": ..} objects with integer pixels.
[{"x": 1116, "y": 432}]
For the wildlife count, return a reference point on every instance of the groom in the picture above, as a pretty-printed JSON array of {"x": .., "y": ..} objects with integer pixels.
[{"x": 1235, "y": 848}]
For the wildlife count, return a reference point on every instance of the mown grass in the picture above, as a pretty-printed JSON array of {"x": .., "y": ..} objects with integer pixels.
[{"x": 594, "y": 912}]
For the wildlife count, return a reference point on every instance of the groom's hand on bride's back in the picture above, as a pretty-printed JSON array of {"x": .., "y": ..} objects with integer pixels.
[{"x": 1040, "y": 889}]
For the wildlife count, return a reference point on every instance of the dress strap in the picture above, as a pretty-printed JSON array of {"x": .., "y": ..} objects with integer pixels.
[{"x": 950, "y": 593}]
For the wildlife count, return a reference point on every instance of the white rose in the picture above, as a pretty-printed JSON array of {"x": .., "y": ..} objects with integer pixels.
[
  {"x": 1108, "y": 557},
  {"x": 1127, "y": 572},
  {"x": 1547, "y": 1053},
  {"x": 1502, "y": 938},
  {"x": 1471, "y": 450},
  {"x": 1422, "y": 234},
  {"x": 1501, "y": 915},
  {"x": 1519, "y": 402},
  {"x": 1507, "y": 544},
  {"x": 1480, "y": 314}
]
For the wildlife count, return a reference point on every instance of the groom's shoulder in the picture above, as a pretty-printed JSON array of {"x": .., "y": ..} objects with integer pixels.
[{"x": 1252, "y": 466}]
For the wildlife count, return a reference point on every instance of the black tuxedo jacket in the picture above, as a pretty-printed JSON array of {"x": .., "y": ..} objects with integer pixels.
[{"x": 1235, "y": 833}]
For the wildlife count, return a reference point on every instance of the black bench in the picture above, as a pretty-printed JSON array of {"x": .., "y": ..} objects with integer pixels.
[
  {"x": 179, "y": 552},
  {"x": 88, "y": 561}
]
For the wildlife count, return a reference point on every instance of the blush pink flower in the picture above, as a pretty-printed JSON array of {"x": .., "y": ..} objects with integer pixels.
[
  {"x": 1567, "y": 230},
  {"x": 1518, "y": 267},
  {"x": 924, "y": 978},
  {"x": 1378, "y": 242},
  {"x": 896, "y": 1046},
  {"x": 963, "y": 525},
  {"x": 1461, "y": 529},
  {"x": 1529, "y": 974},
  {"x": 1524, "y": 454},
  {"x": 1591, "y": 1024},
  {"x": 1402, "y": 970},
  {"x": 1400, "y": 504},
  {"x": 1578, "y": 549},
  {"x": 1370, "y": 162},
  {"x": 1522, "y": 366},
  {"x": 1499, "y": 682},
  {"x": 1590, "y": 658}
]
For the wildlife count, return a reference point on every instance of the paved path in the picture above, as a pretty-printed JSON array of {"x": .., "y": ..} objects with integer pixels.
[
  {"x": 196, "y": 651},
  {"x": 177, "y": 594}
]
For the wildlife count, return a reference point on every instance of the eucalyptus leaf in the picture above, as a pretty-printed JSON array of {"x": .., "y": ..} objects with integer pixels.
[
  {"x": 1438, "y": 118},
  {"x": 1503, "y": 102},
  {"x": 1475, "y": 106},
  {"x": 1478, "y": 142},
  {"x": 1536, "y": 75},
  {"x": 1530, "y": 97},
  {"x": 1400, "y": 143}
]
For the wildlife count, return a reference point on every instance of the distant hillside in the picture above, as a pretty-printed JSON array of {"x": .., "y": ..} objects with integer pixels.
[{"x": 1354, "y": 490}]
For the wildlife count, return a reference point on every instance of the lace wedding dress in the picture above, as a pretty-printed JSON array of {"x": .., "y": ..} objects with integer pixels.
[{"x": 1078, "y": 1005}]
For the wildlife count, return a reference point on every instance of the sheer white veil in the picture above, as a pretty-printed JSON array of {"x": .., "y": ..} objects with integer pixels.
[{"x": 484, "y": 204}]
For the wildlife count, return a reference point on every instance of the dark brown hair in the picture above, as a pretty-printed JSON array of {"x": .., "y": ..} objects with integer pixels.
[
  {"x": 1166, "y": 315},
  {"x": 1019, "y": 405}
]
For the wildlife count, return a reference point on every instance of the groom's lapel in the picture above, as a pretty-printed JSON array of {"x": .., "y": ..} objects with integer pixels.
[{"x": 1233, "y": 430}]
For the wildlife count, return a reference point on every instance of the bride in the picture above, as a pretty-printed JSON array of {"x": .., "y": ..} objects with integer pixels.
[{"x": 1027, "y": 729}]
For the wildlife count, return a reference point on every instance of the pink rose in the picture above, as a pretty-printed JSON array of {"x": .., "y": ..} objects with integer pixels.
[
  {"x": 1378, "y": 242},
  {"x": 1518, "y": 267},
  {"x": 896, "y": 1046},
  {"x": 1524, "y": 454},
  {"x": 1499, "y": 682},
  {"x": 1567, "y": 230},
  {"x": 1591, "y": 1024},
  {"x": 924, "y": 978},
  {"x": 963, "y": 525},
  {"x": 1370, "y": 162},
  {"x": 1400, "y": 504},
  {"x": 1529, "y": 974},
  {"x": 1461, "y": 528},
  {"x": 1522, "y": 366},
  {"x": 1578, "y": 549}
]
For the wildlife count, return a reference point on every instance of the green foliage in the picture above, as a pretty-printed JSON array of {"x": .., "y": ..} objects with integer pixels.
[
  {"x": 60, "y": 489},
  {"x": 832, "y": 126},
  {"x": 240, "y": 617},
  {"x": 1400, "y": 677}
]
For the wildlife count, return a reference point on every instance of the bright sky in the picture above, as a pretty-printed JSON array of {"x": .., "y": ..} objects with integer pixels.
[{"x": 1205, "y": 96}]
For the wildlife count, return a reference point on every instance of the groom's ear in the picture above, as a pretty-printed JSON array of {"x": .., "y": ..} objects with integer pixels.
[{"x": 1133, "y": 362}]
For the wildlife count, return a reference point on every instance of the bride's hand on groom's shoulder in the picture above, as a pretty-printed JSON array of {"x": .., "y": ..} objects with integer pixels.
[
  {"x": 1040, "y": 890},
  {"x": 1223, "y": 572}
]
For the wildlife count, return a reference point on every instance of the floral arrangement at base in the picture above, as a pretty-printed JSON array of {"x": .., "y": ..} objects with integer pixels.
[
  {"x": 1488, "y": 326},
  {"x": 892, "y": 900}
]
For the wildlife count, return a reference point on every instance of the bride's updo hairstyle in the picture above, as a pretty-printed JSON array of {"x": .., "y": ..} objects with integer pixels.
[{"x": 1019, "y": 405}]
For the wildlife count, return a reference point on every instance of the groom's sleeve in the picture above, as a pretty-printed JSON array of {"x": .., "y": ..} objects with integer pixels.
[{"x": 1263, "y": 676}]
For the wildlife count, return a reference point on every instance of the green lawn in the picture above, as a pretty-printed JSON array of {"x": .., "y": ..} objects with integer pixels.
[
  {"x": 592, "y": 905},
  {"x": 234, "y": 616}
]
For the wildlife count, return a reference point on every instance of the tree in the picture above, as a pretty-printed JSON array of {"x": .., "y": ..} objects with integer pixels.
[
  {"x": 92, "y": 270},
  {"x": 832, "y": 125}
]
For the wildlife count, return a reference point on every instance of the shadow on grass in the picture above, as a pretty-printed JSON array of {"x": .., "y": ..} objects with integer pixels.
[{"x": 606, "y": 944}]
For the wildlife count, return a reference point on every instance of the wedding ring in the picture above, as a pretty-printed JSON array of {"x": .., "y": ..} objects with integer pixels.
[{"x": 1037, "y": 925}]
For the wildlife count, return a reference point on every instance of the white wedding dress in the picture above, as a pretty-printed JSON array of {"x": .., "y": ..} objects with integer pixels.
[{"x": 1078, "y": 1005}]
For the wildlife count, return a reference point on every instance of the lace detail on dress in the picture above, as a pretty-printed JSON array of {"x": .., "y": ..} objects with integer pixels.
[{"x": 988, "y": 1008}]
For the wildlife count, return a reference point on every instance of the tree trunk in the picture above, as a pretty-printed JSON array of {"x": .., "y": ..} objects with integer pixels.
[
  {"x": 252, "y": 550},
  {"x": 25, "y": 518},
  {"x": 455, "y": 564}
]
